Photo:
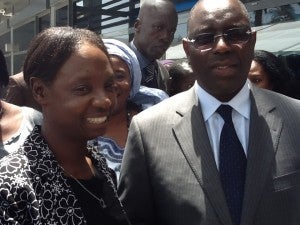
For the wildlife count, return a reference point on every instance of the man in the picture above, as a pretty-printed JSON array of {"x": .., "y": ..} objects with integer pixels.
[
  {"x": 174, "y": 170},
  {"x": 154, "y": 32}
]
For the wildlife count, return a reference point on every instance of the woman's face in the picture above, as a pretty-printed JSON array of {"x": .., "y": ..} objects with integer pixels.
[
  {"x": 123, "y": 82},
  {"x": 258, "y": 76},
  {"x": 80, "y": 99}
]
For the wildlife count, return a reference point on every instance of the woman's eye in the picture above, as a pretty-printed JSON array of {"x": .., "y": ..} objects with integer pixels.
[
  {"x": 119, "y": 76},
  {"x": 83, "y": 89},
  {"x": 110, "y": 86},
  {"x": 256, "y": 81}
]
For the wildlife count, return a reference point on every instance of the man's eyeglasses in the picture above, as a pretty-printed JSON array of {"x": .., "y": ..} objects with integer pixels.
[{"x": 231, "y": 36}]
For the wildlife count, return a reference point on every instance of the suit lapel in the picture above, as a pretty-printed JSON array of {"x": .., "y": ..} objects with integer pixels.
[
  {"x": 193, "y": 139},
  {"x": 264, "y": 133}
]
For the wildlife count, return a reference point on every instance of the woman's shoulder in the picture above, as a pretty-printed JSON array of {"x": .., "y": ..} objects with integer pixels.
[{"x": 32, "y": 115}]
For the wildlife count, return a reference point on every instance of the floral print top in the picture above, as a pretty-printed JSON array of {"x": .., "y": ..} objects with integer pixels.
[{"x": 34, "y": 190}]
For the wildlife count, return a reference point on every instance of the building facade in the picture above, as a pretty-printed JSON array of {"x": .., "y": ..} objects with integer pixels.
[{"x": 21, "y": 20}]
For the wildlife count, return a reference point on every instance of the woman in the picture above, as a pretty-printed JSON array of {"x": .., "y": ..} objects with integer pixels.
[
  {"x": 16, "y": 122},
  {"x": 128, "y": 78},
  {"x": 54, "y": 178},
  {"x": 181, "y": 77},
  {"x": 269, "y": 72}
]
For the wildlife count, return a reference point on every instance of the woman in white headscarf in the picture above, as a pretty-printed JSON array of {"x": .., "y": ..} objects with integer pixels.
[{"x": 128, "y": 78}]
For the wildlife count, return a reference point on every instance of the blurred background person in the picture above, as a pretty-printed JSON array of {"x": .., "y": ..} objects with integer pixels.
[
  {"x": 147, "y": 97},
  {"x": 167, "y": 63},
  {"x": 181, "y": 77},
  {"x": 269, "y": 72},
  {"x": 71, "y": 77},
  {"x": 19, "y": 93},
  {"x": 154, "y": 33},
  {"x": 16, "y": 122},
  {"x": 293, "y": 87},
  {"x": 128, "y": 79}
]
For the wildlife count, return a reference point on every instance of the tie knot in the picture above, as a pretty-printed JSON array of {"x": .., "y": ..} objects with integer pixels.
[{"x": 225, "y": 112}]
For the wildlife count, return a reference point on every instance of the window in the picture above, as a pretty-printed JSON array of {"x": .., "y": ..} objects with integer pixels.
[
  {"x": 61, "y": 16},
  {"x": 23, "y": 35},
  {"x": 44, "y": 22}
]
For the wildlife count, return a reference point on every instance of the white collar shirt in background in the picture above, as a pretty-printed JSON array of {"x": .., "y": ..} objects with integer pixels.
[{"x": 214, "y": 122}]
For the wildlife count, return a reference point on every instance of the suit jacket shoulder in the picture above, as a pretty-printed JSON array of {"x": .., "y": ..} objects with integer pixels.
[{"x": 180, "y": 102}]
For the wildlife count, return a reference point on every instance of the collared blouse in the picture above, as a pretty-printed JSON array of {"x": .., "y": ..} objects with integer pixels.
[{"x": 34, "y": 190}]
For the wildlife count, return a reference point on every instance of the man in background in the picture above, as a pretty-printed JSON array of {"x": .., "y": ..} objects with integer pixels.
[
  {"x": 222, "y": 153},
  {"x": 154, "y": 33}
]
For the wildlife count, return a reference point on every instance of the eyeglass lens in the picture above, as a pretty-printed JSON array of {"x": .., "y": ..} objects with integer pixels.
[{"x": 231, "y": 36}]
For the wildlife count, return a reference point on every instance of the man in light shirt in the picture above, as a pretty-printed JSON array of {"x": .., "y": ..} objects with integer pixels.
[{"x": 172, "y": 171}]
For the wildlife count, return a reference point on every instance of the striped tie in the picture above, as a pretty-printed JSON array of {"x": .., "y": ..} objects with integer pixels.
[{"x": 150, "y": 76}]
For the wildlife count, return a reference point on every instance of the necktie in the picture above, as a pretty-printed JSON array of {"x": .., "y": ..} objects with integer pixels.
[
  {"x": 232, "y": 165},
  {"x": 150, "y": 76}
]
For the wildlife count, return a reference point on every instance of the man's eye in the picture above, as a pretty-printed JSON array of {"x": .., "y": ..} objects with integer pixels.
[
  {"x": 157, "y": 28},
  {"x": 204, "y": 39}
]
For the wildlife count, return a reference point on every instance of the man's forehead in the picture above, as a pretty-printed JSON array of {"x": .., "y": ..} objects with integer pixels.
[
  {"x": 213, "y": 5},
  {"x": 220, "y": 15}
]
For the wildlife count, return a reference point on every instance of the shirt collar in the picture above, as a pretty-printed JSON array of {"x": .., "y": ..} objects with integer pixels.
[
  {"x": 209, "y": 104},
  {"x": 143, "y": 61}
]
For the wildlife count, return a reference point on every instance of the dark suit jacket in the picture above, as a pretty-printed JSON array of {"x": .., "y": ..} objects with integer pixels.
[
  {"x": 19, "y": 93},
  {"x": 169, "y": 175},
  {"x": 163, "y": 74}
]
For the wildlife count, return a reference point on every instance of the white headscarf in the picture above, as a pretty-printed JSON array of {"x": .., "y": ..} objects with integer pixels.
[{"x": 120, "y": 49}]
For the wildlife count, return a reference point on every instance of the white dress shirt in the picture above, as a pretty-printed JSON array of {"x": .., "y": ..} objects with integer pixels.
[{"x": 214, "y": 122}]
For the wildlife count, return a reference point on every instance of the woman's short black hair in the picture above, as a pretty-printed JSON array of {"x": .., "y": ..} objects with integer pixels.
[
  {"x": 4, "y": 76},
  {"x": 279, "y": 73},
  {"x": 180, "y": 69},
  {"x": 51, "y": 48}
]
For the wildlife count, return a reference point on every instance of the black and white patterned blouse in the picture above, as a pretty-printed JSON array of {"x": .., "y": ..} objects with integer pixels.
[{"x": 34, "y": 190}]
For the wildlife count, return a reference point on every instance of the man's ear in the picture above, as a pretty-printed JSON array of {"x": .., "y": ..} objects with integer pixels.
[
  {"x": 253, "y": 38},
  {"x": 39, "y": 90},
  {"x": 186, "y": 47},
  {"x": 137, "y": 25}
]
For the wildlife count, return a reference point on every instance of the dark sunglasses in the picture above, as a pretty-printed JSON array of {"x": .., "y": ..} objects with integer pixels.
[{"x": 231, "y": 36}]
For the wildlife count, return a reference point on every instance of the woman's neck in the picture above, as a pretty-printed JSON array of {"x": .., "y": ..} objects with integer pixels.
[{"x": 72, "y": 154}]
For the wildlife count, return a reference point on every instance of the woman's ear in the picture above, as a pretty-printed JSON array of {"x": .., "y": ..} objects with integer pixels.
[{"x": 39, "y": 90}]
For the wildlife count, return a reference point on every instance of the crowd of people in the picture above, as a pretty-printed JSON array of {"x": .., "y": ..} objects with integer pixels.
[{"x": 97, "y": 131}]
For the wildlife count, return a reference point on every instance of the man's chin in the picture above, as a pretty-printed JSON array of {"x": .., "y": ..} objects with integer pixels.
[
  {"x": 157, "y": 56},
  {"x": 157, "y": 53}
]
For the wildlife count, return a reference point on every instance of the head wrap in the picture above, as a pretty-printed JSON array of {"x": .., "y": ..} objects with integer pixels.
[{"x": 118, "y": 48}]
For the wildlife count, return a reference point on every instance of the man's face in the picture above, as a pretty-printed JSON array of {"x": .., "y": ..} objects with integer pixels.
[
  {"x": 154, "y": 32},
  {"x": 223, "y": 69}
]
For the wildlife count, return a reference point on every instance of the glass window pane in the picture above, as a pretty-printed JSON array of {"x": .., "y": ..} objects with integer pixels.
[
  {"x": 62, "y": 16},
  {"x": 7, "y": 58},
  {"x": 44, "y": 22},
  {"x": 18, "y": 62},
  {"x": 278, "y": 14},
  {"x": 5, "y": 42},
  {"x": 22, "y": 36}
]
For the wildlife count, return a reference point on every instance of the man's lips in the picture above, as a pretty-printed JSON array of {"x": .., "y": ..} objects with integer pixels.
[{"x": 223, "y": 65}]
